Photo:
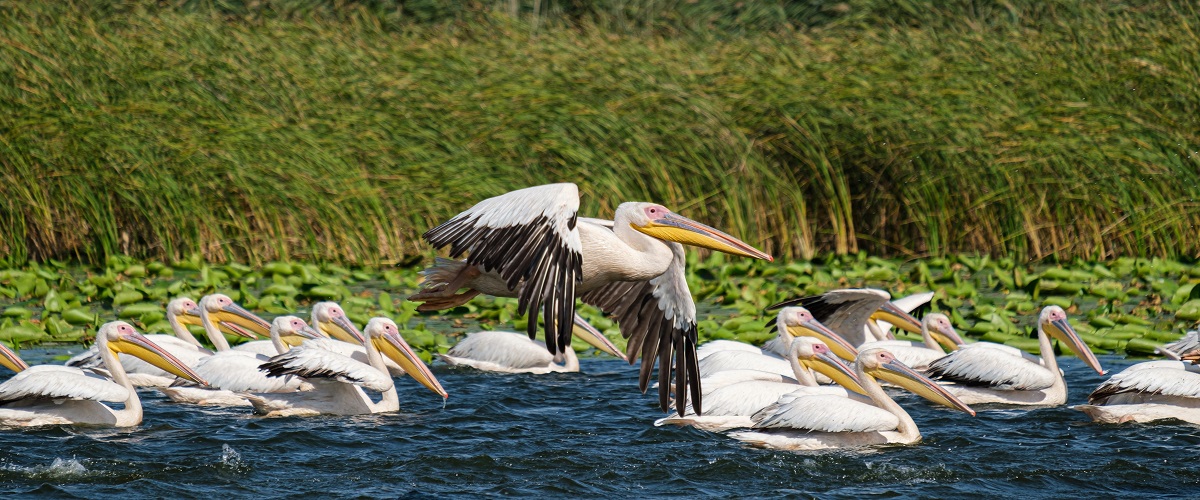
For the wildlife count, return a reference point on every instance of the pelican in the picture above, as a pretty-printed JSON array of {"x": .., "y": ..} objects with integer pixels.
[
  {"x": 730, "y": 406},
  {"x": 984, "y": 372},
  {"x": 228, "y": 371},
  {"x": 339, "y": 380},
  {"x": 810, "y": 422},
  {"x": 936, "y": 331},
  {"x": 531, "y": 244},
  {"x": 1187, "y": 344},
  {"x": 791, "y": 322},
  {"x": 183, "y": 345},
  {"x": 1148, "y": 391},
  {"x": 509, "y": 352},
  {"x": 853, "y": 313},
  {"x": 323, "y": 315},
  {"x": 63, "y": 395}
]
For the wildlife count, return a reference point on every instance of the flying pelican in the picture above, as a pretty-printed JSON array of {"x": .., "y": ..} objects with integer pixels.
[
  {"x": 1148, "y": 391},
  {"x": 730, "y": 406},
  {"x": 183, "y": 345},
  {"x": 339, "y": 380},
  {"x": 58, "y": 395},
  {"x": 936, "y": 331},
  {"x": 228, "y": 371},
  {"x": 531, "y": 244},
  {"x": 791, "y": 322},
  {"x": 852, "y": 312},
  {"x": 510, "y": 352},
  {"x": 810, "y": 422},
  {"x": 984, "y": 372},
  {"x": 1187, "y": 344}
]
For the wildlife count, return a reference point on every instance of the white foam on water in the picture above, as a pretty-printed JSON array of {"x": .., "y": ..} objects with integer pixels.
[
  {"x": 230, "y": 456},
  {"x": 58, "y": 469}
]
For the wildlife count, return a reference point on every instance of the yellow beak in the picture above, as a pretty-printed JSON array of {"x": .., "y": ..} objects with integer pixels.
[
  {"x": 1061, "y": 330},
  {"x": 395, "y": 348},
  {"x": 836, "y": 343},
  {"x": 836, "y": 369},
  {"x": 247, "y": 320},
  {"x": 137, "y": 345},
  {"x": 587, "y": 333},
  {"x": 900, "y": 374},
  {"x": 680, "y": 229},
  {"x": 948, "y": 338},
  {"x": 342, "y": 329},
  {"x": 11, "y": 360},
  {"x": 892, "y": 314}
]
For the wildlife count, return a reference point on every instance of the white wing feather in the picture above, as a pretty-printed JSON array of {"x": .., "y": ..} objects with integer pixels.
[
  {"x": 744, "y": 360},
  {"x": 715, "y": 346},
  {"x": 312, "y": 362},
  {"x": 61, "y": 382},
  {"x": 992, "y": 365},
  {"x": 1169, "y": 378},
  {"x": 238, "y": 371},
  {"x": 508, "y": 349},
  {"x": 825, "y": 413}
]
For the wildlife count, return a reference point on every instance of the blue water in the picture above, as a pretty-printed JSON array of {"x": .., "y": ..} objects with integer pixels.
[{"x": 587, "y": 435}]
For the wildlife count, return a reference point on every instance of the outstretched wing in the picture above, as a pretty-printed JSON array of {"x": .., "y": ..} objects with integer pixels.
[
  {"x": 528, "y": 236},
  {"x": 659, "y": 319}
]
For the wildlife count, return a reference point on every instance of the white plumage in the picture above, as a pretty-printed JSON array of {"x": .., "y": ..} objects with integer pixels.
[
  {"x": 61, "y": 382},
  {"x": 919, "y": 355},
  {"x": 1144, "y": 392}
]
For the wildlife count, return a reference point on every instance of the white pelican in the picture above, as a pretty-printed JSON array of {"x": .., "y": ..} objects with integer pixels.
[
  {"x": 62, "y": 395},
  {"x": 936, "y": 331},
  {"x": 853, "y": 312},
  {"x": 810, "y": 422},
  {"x": 791, "y": 323},
  {"x": 510, "y": 352},
  {"x": 984, "y": 372},
  {"x": 183, "y": 345},
  {"x": 531, "y": 244},
  {"x": 339, "y": 380},
  {"x": 730, "y": 406},
  {"x": 1145, "y": 392},
  {"x": 231, "y": 372},
  {"x": 323, "y": 316}
]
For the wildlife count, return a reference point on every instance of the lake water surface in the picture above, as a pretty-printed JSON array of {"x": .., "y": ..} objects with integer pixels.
[{"x": 587, "y": 435}]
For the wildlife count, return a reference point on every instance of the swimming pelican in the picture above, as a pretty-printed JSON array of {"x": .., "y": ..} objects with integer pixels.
[
  {"x": 731, "y": 406},
  {"x": 984, "y": 372},
  {"x": 531, "y": 244},
  {"x": 853, "y": 312},
  {"x": 62, "y": 395},
  {"x": 338, "y": 380},
  {"x": 936, "y": 331},
  {"x": 510, "y": 352},
  {"x": 810, "y": 422},
  {"x": 183, "y": 345},
  {"x": 1148, "y": 391},
  {"x": 791, "y": 323},
  {"x": 323, "y": 315},
  {"x": 230, "y": 372}
]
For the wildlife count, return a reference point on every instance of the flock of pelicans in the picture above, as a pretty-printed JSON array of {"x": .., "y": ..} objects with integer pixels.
[{"x": 818, "y": 384}]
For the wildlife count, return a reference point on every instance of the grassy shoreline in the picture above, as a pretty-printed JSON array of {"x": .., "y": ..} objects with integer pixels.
[{"x": 1037, "y": 131}]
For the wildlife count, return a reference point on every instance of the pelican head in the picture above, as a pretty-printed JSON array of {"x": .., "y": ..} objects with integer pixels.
[
  {"x": 588, "y": 333},
  {"x": 1053, "y": 321},
  {"x": 882, "y": 364},
  {"x": 11, "y": 360},
  {"x": 894, "y": 315},
  {"x": 385, "y": 336},
  {"x": 655, "y": 220},
  {"x": 185, "y": 311},
  {"x": 942, "y": 331},
  {"x": 329, "y": 319},
  {"x": 221, "y": 308},
  {"x": 292, "y": 330},
  {"x": 815, "y": 355},
  {"x": 797, "y": 321},
  {"x": 121, "y": 337}
]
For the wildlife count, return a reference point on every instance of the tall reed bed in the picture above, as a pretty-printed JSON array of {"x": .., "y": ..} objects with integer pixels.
[{"x": 301, "y": 130}]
